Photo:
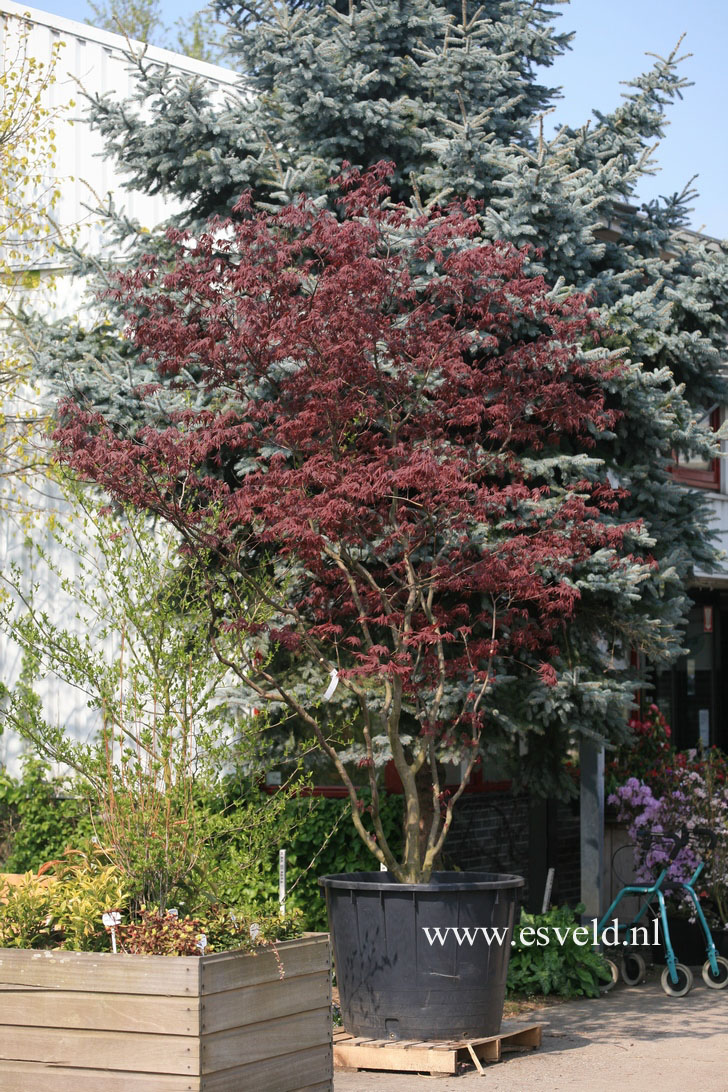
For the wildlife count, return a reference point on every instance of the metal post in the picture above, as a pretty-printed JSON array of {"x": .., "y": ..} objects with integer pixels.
[
  {"x": 547, "y": 890},
  {"x": 591, "y": 761}
]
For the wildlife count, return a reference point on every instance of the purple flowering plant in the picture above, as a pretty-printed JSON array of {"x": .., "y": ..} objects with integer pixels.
[{"x": 689, "y": 792}]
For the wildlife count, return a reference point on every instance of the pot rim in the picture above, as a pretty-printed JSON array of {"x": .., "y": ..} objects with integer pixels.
[{"x": 439, "y": 883}]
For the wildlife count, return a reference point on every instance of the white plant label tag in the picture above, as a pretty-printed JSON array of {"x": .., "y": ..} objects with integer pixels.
[
  {"x": 111, "y": 920},
  {"x": 329, "y": 693}
]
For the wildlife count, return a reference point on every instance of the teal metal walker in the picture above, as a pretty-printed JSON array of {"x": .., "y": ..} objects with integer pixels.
[{"x": 677, "y": 979}]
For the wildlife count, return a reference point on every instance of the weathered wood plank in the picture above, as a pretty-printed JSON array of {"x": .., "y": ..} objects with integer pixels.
[
  {"x": 308, "y": 1069},
  {"x": 102, "y": 971},
  {"x": 296, "y": 957},
  {"x": 493, "y": 1048},
  {"x": 101, "y": 1049},
  {"x": 242, "y": 1046},
  {"x": 423, "y": 1059},
  {"x": 100, "y": 1011},
  {"x": 266, "y": 1001},
  {"x": 398, "y": 1056},
  {"x": 31, "y": 1077},
  {"x": 530, "y": 1037}
]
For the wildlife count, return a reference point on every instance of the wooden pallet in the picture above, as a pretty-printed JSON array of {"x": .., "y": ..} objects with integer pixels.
[{"x": 437, "y": 1057}]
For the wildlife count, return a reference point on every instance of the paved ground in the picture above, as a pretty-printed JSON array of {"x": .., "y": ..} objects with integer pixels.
[{"x": 629, "y": 1039}]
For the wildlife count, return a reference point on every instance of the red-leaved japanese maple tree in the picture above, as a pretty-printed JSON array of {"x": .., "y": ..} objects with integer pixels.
[{"x": 365, "y": 400}]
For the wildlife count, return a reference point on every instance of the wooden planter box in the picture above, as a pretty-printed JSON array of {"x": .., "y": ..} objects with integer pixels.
[{"x": 86, "y": 1022}]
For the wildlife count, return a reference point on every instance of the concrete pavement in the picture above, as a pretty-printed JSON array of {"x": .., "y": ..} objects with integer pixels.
[{"x": 629, "y": 1039}]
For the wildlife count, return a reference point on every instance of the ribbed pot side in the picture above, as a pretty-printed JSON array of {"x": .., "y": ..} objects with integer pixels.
[{"x": 421, "y": 961}]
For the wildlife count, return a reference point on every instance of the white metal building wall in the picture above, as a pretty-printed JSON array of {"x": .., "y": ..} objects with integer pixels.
[{"x": 96, "y": 60}]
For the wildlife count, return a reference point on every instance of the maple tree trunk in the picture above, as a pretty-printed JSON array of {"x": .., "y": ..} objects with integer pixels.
[{"x": 423, "y": 781}]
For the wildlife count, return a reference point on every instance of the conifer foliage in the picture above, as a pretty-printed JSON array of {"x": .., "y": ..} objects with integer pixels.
[{"x": 367, "y": 482}]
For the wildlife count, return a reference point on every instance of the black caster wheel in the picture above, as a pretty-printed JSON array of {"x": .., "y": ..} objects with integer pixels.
[
  {"x": 684, "y": 982},
  {"x": 634, "y": 969},
  {"x": 713, "y": 981},
  {"x": 605, "y": 987}
]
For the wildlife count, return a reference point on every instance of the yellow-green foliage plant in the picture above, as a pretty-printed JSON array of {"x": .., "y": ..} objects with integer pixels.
[
  {"x": 25, "y": 913},
  {"x": 62, "y": 905},
  {"x": 84, "y": 888}
]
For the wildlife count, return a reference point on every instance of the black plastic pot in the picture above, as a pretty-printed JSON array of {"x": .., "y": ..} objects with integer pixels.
[{"x": 421, "y": 961}]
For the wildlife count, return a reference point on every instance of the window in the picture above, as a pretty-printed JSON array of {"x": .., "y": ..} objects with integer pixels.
[
  {"x": 702, "y": 473},
  {"x": 693, "y": 691}
]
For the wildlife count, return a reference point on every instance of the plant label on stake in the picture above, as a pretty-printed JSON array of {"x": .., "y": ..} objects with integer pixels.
[
  {"x": 282, "y": 882},
  {"x": 110, "y": 921}
]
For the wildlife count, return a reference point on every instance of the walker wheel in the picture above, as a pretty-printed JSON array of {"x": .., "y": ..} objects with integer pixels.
[
  {"x": 613, "y": 969},
  {"x": 684, "y": 981},
  {"x": 719, "y": 981},
  {"x": 634, "y": 969}
]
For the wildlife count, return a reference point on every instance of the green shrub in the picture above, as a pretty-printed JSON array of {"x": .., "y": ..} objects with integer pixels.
[
  {"x": 62, "y": 907},
  {"x": 39, "y": 818},
  {"x": 84, "y": 888},
  {"x": 546, "y": 959},
  {"x": 323, "y": 841},
  {"x": 229, "y": 930},
  {"x": 38, "y": 824},
  {"x": 26, "y": 914}
]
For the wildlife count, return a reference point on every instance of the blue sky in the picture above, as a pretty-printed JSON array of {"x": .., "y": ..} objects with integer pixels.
[
  {"x": 612, "y": 37},
  {"x": 610, "y": 45}
]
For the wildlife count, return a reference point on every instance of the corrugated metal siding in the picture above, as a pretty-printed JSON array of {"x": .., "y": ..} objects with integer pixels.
[
  {"x": 96, "y": 61},
  {"x": 62, "y": 703}
]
